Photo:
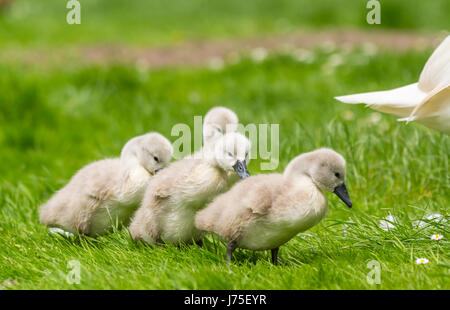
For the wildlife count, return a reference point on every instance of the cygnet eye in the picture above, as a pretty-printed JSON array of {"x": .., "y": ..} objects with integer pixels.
[
  {"x": 337, "y": 175},
  {"x": 156, "y": 159},
  {"x": 219, "y": 130},
  {"x": 229, "y": 154}
]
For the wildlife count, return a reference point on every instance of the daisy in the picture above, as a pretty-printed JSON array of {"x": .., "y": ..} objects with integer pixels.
[
  {"x": 421, "y": 261},
  {"x": 434, "y": 217},
  {"x": 436, "y": 237}
]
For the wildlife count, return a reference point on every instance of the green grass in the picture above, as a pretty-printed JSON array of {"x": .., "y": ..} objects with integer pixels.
[
  {"x": 53, "y": 122},
  {"x": 159, "y": 22}
]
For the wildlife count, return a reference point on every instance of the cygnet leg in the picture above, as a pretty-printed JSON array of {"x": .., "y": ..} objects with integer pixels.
[
  {"x": 199, "y": 243},
  {"x": 274, "y": 256},
  {"x": 230, "y": 249}
]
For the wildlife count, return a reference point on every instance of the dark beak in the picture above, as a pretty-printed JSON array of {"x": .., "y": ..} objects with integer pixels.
[
  {"x": 341, "y": 192},
  {"x": 241, "y": 169}
]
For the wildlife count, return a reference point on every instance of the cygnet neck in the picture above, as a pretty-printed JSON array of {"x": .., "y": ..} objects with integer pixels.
[
  {"x": 209, "y": 154},
  {"x": 297, "y": 171},
  {"x": 130, "y": 165}
]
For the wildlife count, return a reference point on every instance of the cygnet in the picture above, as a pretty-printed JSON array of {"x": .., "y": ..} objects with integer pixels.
[
  {"x": 108, "y": 191},
  {"x": 265, "y": 211},
  {"x": 175, "y": 195}
]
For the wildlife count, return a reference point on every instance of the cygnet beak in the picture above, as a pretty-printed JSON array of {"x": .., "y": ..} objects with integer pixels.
[
  {"x": 241, "y": 169},
  {"x": 341, "y": 192},
  {"x": 151, "y": 172}
]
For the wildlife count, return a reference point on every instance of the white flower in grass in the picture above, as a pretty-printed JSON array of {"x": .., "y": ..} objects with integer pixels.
[
  {"x": 374, "y": 118},
  {"x": 46, "y": 272},
  {"x": 305, "y": 235},
  {"x": 421, "y": 261},
  {"x": 303, "y": 55},
  {"x": 387, "y": 223},
  {"x": 434, "y": 217},
  {"x": 436, "y": 237},
  {"x": 419, "y": 224},
  {"x": 328, "y": 46},
  {"x": 335, "y": 60},
  {"x": 216, "y": 63},
  {"x": 59, "y": 231},
  {"x": 259, "y": 54},
  {"x": 344, "y": 229},
  {"x": 369, "y": 49}
]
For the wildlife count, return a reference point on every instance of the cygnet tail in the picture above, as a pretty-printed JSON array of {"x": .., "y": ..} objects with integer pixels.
[
  {"x": 201, "y": 220},
  {"x": 47, "y": 212}
]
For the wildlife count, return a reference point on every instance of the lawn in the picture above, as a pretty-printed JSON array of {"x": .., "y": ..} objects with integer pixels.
[
  {"x": 56, "y": 117},
  {"x": 54, "y": 121}
]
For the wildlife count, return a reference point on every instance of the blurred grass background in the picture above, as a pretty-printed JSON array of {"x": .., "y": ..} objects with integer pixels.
[
  {"x": 159, "y": 22},
  {"x": 55, "y": 119}
]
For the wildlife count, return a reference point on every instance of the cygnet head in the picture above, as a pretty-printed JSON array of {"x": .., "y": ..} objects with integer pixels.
[
  {"x": 152, "y": 151},
  {"x": 232, "y": 152},
  {"x": 325, "y": 167},
  {"x": 218, "y": 121}
]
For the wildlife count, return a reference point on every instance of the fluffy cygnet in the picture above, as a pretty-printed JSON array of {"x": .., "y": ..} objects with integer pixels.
[
  {"x": 107, "y": 191},
  {"x": 174, "y": 195},
  {"x": 265, "y": 211},
  {"x": 218, "y": 121}
]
